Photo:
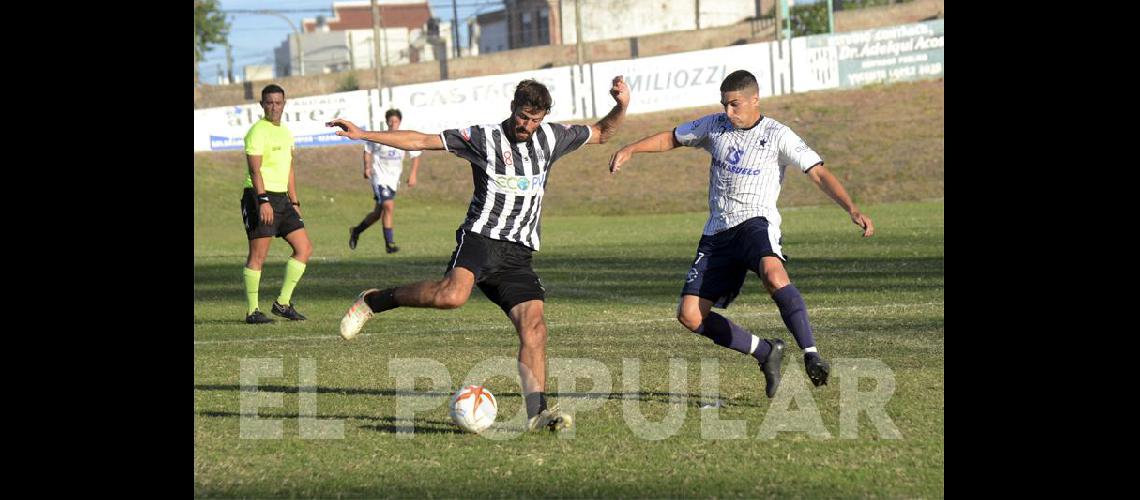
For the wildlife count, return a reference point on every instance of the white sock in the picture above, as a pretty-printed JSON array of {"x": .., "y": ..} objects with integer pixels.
[{"x": 811, "y": 349}]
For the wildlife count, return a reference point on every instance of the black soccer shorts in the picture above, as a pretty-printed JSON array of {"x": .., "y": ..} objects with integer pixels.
[
  {"x": 285, "y": 217},
  {"x": 502, "y": 269}
]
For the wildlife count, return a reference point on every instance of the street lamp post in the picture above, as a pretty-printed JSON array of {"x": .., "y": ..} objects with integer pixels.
[{"x": 300, "y": 53}]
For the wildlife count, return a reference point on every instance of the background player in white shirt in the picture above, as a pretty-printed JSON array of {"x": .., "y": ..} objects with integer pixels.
[
  {"x": 749, "y": 154},
  {"x": 383, "y": 166}
]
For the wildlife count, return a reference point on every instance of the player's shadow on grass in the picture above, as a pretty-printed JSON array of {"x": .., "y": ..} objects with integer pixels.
[
  {"x": 386, "y": 424},
  {"x": 691, "y": 399},
  {"x": 578, "y": 279}
]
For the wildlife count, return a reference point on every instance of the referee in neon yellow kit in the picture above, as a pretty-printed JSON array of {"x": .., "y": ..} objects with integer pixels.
[{"x": 269, "y": 207}]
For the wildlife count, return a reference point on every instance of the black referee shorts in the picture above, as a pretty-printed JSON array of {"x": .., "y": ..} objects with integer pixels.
[
  {"x": 502, "y": 269},
  {"x": 285, "y": 217}
]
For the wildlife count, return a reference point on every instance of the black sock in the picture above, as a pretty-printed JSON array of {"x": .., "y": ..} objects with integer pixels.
[
  {"x": 535, "y": 403},
  {"x": 383, "y": 300}
]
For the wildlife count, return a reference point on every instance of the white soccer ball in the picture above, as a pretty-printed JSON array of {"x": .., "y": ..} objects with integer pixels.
[{"x": 473, "y": 408}]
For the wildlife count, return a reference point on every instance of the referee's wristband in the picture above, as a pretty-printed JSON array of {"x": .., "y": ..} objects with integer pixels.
[{"x": 262, "y": 198}]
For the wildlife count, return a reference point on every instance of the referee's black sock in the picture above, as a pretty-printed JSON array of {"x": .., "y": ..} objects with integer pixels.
[{"x": 383, "y": 300}]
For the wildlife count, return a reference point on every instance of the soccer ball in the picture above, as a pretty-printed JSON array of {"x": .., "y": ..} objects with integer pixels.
[{"x": 473, "y": 408}]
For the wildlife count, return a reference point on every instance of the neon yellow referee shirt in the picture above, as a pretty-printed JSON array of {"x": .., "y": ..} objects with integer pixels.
[{"x": 275, "y": 146}]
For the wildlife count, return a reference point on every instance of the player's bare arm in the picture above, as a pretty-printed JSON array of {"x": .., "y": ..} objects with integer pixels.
[
  {"x": 608, "y": 125},
  {"x": 412, "y": 175},
  {"x": 264, "y": 211},
  {"x": 367, "y": 167},
  {"x": 293, "y": 187},
  {"x": 831, "y": 186},
  {"x": 408, "y": 140},
  {"x": 655, "y": 143}
]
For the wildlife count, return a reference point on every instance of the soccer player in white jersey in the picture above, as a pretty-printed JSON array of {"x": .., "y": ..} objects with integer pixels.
[
  {"x": 510, "y": 163},
  {"x": 749, "y": 154},
  {"x": 382, "y": 167}
]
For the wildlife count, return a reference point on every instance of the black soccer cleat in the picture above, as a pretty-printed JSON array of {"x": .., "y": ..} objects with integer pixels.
[
  {"x": 391, "y": 248},
  {"x": 817, "y": 369},
  {"x": 258, "y": 318},
  {"x": 771, "y": 367},
  {"x": 288, "y": 312},
  {"x": 352, "y": 237}
]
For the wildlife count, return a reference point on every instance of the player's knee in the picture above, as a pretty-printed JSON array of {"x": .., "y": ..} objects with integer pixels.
[
  {"x": 690, "y": 319},
  {"x": 302, "y": 253},
  {"x": 775, "y": 280},
  {"x": 534, "y": 335},
  {"x": 450, "y": 298}
]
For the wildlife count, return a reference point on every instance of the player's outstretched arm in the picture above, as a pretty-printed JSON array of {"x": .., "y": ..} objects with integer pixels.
[
  {"x": 830, "y": 185},
  {"x": 608, "y": 125},
  {"x": 655, "y": 143},
  {"x": 408, "y": 140}
]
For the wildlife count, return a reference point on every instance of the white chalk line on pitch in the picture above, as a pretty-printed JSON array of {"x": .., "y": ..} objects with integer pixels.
[{"x": 557, "y": 325}]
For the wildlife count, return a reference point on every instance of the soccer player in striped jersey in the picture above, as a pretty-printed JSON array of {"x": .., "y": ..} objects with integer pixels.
[
  {"x": 382, "y": 167},
  {"x": 749, "y": 154},
  {"x": 510, "y": 164}
]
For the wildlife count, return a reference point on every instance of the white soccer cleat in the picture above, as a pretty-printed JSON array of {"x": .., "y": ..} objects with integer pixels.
[
  {"x": 551, "y": 419},
  {"x": 358, "y": 314}
]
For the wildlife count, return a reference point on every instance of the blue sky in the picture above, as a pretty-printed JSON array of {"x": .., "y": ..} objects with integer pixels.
[{"x": 253, "y": 37}]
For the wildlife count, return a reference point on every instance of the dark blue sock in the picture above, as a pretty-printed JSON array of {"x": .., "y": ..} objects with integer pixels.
[
  {"x": 794, "y": 312},
  {"x": 728, "y": 334},
  {"x": 388, "y": 235}
]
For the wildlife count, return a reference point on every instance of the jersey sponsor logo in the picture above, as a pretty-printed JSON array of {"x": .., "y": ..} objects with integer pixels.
[
  {"x": 802, "y": 147},
  {"x": 734, "y": 156},
  {"x": 732, "y": 167},
  {"x": 516, "y": 184}
]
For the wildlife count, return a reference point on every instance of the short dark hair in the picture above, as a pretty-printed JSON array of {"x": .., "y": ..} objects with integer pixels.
[
  {"x": 272, "y": 88},
  {"x": 393, "y": 112},
  {"x": 739, "y": 80},
  {"x": 532, "y": 94}
]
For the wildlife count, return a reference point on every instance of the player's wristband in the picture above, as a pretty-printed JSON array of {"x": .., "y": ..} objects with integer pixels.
[
  {"x": 262, "y": 198},
  {"x": 296, "y": 203}
]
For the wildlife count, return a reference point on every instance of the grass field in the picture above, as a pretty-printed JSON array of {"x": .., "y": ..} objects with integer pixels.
[{"x": 614, "y": 258}]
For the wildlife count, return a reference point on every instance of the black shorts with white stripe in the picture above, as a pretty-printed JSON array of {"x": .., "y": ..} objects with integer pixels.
[
  {"x": 502, "y": 269},
  {"x": 285, "y": 217}
]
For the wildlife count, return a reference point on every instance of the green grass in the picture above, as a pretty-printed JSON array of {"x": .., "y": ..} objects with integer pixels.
[{"x": 612, "y": 282}]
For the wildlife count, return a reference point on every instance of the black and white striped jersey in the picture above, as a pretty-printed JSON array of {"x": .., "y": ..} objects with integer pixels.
[
  {"x": 747, "y": 167},
  {"x": 510, "y": 177}
]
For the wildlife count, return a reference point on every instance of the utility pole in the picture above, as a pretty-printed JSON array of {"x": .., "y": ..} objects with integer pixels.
[
  {"x": 578, "y": 27},
  {"x": 351, "y": 53},
  {"x": 229, "y": 63},
  {"x": 779, "y": 25},
  {"x": 831, "y": 18},
  {"x": 698, "y": 2},
  {"x": 376, "y": 51},
  {"x": 455, "y": 27}
]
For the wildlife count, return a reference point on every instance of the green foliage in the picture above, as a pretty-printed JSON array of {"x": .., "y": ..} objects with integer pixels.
[
  {"x": 348, "y": 83},
  {"x": 809, "y": 19},
  {"x": 210, "y": 27}
]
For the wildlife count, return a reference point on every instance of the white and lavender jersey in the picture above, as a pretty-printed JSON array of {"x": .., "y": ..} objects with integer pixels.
[
  {"x": 510, "y": 177},
  {"x": 747, "y": 166},
  {"x": 387, "y": 163}
]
